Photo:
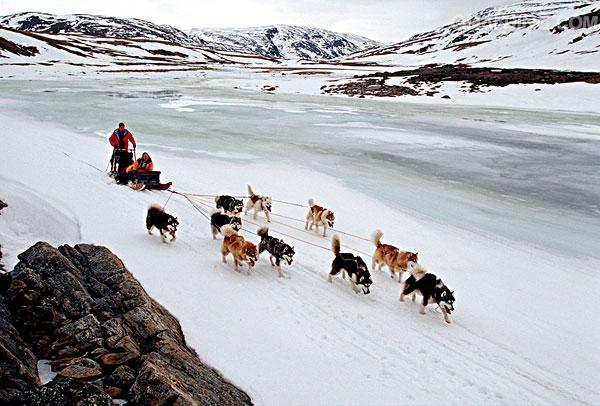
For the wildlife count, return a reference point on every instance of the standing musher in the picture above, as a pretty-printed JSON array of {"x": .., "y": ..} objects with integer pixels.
[{"x": 119, "y": 140}]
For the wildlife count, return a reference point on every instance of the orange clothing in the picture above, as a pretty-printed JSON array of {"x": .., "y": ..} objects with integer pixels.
[{"x": 138, "y": 166}]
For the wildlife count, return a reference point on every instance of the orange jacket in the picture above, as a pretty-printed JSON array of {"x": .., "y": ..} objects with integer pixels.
[
  {"x": 137, "y": 166},
  {"x": 125, "y": 138}
]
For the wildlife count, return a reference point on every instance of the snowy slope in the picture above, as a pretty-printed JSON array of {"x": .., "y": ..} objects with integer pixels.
[
  {"x": 95, "y": 26},
  {"x": 521, "y": 334},
  {"x": 46, "y": 55},
  {"x": 285, "y": 41},
  {"x": 534, "y": 34}
]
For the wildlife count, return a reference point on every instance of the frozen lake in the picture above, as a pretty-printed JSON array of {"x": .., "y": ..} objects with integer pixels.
[{"x": 525, "y": 176}]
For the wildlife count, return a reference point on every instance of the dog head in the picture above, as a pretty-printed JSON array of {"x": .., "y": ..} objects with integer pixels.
[
  {"x": 330, "y": 218},
  {"x": 249, "y": 253},
  {"x": 288, "y": 254},
  {"x": 267, "y": 202},
  {"x": 236, "y": 223},
  {"x": 237, "y": 206},
  {"x": 447, "y": 300},
  {"x": 172, "y": 224},
  {"x": 413, "y": 257},
  {"x": 364, "y": 278}
]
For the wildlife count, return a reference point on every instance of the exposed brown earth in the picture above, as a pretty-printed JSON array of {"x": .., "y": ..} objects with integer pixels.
[
  {"x": 11, "y": 47},
  {"x": 374, "y": 84}
]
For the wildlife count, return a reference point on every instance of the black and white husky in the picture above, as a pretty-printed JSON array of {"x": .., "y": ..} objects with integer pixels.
[
  {"x": 277, "y": 249},
  {"x": 218, "y": 220},
  {"x": 229, "y": 204},
  {"x": 165, "y": 223},
  {"x": 351, "y": 265},
  {"x": 258, "y": 203},
  {"x": 431, "y": 288}
]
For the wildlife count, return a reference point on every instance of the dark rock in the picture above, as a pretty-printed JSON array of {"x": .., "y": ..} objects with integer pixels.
[
  {"x": 18, "y": 364},
  {"x": 114, "y": 392},
  {"x": 63, "y": 391},
  {"x": 122, "y": 377},
  {"x": 80, "y": 372},
  {"x": 81, "y": 309},
  {"x": 85, "y": 330},
  {"x": 113, "y": 359}
]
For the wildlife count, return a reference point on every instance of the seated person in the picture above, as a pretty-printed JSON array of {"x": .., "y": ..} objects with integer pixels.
[{"x": 143, "y": 164}]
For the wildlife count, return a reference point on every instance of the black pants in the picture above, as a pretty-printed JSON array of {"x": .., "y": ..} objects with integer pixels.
[{"x": 124, "y": 178}]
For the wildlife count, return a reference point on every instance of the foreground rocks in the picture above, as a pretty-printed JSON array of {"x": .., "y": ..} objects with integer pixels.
[
  {"x": 2, "y": 205},
  {"x": 79, "y": 308}
]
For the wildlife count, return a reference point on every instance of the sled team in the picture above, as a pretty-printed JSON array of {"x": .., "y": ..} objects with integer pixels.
[{"x": 225, "y": 220}]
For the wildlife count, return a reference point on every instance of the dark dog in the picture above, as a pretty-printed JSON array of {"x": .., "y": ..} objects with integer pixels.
[
  {"x": 165, "y": 223},
  {"x": 218, "y": 220},
  {"x": 229, "y": 204},
  {"x": 431, "y": 288},
  {"x": 276, "y": 247},
  {"x": 355, "y": 267}
]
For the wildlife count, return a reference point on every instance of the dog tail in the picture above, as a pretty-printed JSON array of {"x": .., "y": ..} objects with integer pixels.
[
  {"x": 214, "y": 211},
  {"x": 250, "y": 191},
  {"x": 155, "y": 207},
  {"x": 228, "y": 231},
  {"x": 336, "y": 245},
  {"x": 417, "y": 271},
  {"x": 311, "y": 202},
  {"x": 376, "y": 238},
  {"x": 217, "y": 198},
  {"x": 263, "y": 232}
]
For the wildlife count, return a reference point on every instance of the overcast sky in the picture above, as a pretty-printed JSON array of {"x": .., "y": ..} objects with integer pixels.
[{"x": 382, "y": 20}]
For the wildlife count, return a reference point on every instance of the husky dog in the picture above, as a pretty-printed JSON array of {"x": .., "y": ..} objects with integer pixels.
[
  {"x": 353, "y": 266},
  {"x": 165, "y": 223},
  {"x": 229, "y": 204},
  {"x": 396, "y": 260},
  {"x": 240, "y": 249},
  {"x": 218, "y": 220},
  {"x": 318, "y": 215},
  {"x": 276, "y": 248},
  {"x": 431, "y": 288},
  {"x": 258, "y": 203}
]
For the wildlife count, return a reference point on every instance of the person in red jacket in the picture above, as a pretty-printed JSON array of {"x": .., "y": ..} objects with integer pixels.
[{"x": 119, "y": 140}]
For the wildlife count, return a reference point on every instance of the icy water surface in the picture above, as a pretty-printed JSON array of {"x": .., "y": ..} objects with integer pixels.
[{"x": 526, "y": 176}]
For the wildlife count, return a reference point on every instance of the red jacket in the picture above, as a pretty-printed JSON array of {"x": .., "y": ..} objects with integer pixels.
[{"x": 124, "y": 139}]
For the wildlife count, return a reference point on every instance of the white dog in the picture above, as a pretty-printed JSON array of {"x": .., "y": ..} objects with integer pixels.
[{"x": 258, "y": 203}]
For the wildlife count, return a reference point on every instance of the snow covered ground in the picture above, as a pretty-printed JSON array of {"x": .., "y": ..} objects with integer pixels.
[{"x": 498, "y": 202}]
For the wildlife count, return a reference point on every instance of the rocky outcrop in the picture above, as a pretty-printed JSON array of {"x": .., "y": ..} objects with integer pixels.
[
  {"x": 80, "y": 308},
  {"x": 2, "y": 205},
  {"x": 369, "y": 87}
]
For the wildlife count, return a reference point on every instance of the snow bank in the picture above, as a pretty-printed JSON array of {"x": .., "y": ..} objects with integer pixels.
[{"x": 521, "y": 332}]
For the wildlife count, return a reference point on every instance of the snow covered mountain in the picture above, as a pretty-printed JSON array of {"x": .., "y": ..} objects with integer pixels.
[
  {"x": 277, "y": 41},
  {"x": 286, "y": 41},
  {"x": 42, "y": 54},
  {"x": 532, "y": 34},
  {"x": 96, "y": 26}
]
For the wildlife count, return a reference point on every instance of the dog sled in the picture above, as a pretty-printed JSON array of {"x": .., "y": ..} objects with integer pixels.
[
  {"x": 149, "y": 180},
  {"x": 123, "y": 159}
]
